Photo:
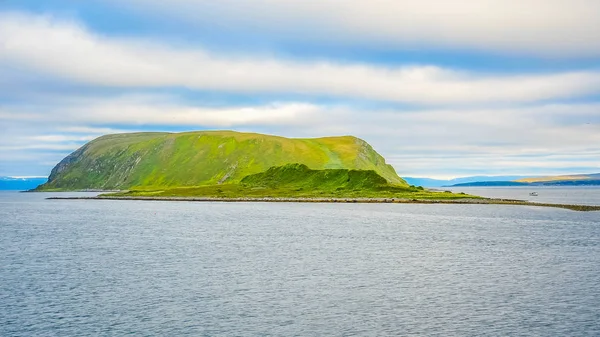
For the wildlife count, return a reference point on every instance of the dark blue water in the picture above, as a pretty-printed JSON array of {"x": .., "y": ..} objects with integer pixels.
[{"x": 75, "y": 268}]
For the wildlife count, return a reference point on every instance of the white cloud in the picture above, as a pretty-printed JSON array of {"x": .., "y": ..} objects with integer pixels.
[
  {"x": 433, "y": 142},
  {"x": 470, "y": 133},
  {"x": 92, "y": 130},
  {"x": 41, "y": 146},
  {"x": 534, "y": 27},
  {"x": 148, "y": 110},
  {"x": 175, "y": 114},
  {"x": 61, "y": 138},
  {"x": 69, "y": 51}
]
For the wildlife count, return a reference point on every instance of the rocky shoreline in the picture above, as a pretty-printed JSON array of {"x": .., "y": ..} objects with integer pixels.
[{"x": 482, "y": 201}]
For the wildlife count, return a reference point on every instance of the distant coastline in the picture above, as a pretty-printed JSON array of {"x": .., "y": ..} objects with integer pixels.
[
  {"x": 591, "y": 179},
  {"x": 532, "y": 184}
]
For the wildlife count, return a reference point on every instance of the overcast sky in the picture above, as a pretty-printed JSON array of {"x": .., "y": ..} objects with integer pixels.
[{"x": 441, "y": 88}]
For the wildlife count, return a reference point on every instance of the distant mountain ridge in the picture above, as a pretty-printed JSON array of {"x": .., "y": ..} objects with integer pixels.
[
  {"x": 124, "y": 161},
  {"x": 489, "y": 183},
  {"x": 428, "y": 182},
  {"x": 20, "y": 183},
  {"x": 564, "y": 180},
  {"x": 544, "y": 183}
]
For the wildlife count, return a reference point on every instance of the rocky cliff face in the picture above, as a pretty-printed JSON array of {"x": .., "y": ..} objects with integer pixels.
[{"x": 66, "y": 163}]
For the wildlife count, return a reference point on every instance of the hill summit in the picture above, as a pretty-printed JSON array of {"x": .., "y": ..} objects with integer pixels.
[{"x": 123, "y": 161}]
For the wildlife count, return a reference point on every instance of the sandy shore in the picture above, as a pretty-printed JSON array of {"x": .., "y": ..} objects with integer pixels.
[{"x": 584, "y": 208}]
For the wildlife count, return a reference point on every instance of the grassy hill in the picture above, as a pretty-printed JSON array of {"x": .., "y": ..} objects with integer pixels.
[
  {"x": 299, "y": 176},
  {"x": 299, "y": 181},
  {"x": 149, "y": 160}
]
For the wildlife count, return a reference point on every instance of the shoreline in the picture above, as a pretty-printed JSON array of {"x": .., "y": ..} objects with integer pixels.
[{"x": 581, "y": 208}]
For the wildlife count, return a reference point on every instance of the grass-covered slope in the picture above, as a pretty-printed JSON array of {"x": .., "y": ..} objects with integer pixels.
[
  {"x": 150, "y": 160},
  {"x": 299, "y": 181},
  {"x": 299, "y": 176}
]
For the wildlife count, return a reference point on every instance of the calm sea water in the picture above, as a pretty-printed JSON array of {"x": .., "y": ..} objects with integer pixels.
[
  {"x": 587, "y": 195},
  {"x": 79, "y": 268}
]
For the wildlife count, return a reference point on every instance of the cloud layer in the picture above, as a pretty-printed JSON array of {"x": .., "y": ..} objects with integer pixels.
[
  {"x": 429, "y": 142},
  {"x": 68, "y": 51},
  {"x": 549, "y": 28},
  {"x": 63, "y": 84}
]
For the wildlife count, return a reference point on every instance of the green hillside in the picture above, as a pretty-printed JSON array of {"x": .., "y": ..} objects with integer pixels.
[
  {"x": 299, "y": 176},
  {"x": 299, "y": 181},
  {"x": 147, "y": 160}
]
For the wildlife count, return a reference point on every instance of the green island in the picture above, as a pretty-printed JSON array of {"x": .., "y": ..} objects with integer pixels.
[
  {"x": 299, "y": 181},
  {"x": 234, "y": 166}
]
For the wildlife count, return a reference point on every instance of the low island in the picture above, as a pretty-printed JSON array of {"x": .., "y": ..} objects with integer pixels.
[{"x": 233, "y": 166}]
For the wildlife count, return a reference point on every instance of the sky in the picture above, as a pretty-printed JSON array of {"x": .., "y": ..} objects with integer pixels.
[{"x": 441, "y": 88}]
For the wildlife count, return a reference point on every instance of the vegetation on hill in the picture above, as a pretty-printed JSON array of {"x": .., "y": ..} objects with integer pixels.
[
  {"x": 161, "y": 160},
  {"x": 299, "y": 181},
  {"x": 300, "y": 176}
]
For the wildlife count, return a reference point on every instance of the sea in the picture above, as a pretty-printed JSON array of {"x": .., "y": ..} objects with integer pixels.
[{"x": 156, "y": 268}]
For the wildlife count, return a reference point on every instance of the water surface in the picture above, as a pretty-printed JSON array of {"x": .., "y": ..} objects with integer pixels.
[
  {"x": 101, "y": 267},
  {"x": 576, "y": 195}
]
